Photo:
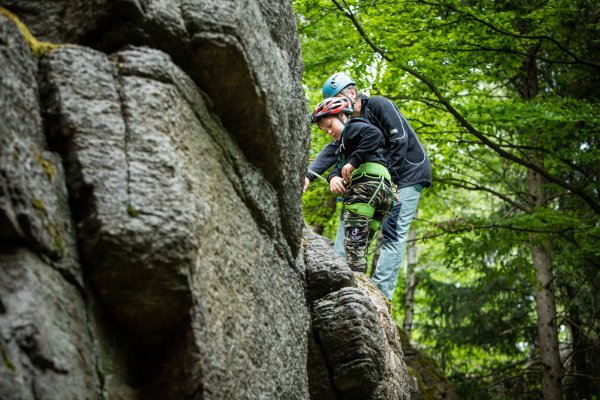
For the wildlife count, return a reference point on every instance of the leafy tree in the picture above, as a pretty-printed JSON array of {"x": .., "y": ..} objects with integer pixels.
[{"x": 504, "y": 94}]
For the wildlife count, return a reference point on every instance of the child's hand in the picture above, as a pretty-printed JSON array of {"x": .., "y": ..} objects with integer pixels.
[
  {"x": 336, "y": 184},
  {"x": 347, "y": 172}
]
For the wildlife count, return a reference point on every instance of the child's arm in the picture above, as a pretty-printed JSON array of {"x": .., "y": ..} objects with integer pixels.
[{"x": 324, "y": 160}]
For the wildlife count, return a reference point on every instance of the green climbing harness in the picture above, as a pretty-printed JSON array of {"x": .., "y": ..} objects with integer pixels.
[
  {"x": 373, "y": 171},
  {"x": 367, "y": 209}
]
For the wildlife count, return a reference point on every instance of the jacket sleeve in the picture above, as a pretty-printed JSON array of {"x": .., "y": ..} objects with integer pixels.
[
  {"x": 334, "y": 172},
  {"x": 324, "y": 160},
  {"x": 394, "y": 127},
  {"x": 369, "y": 139}
]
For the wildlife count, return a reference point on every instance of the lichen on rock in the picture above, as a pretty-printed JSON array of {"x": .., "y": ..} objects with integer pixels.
[{"x": 38, "y": 48}]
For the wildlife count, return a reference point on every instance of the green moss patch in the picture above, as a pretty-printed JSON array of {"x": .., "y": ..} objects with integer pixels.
[{"x": 38, "y": 48}]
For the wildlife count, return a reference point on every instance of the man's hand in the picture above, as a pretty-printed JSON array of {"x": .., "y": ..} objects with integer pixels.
[
  {"x": 336, "y": 184},
  {"x": 306, "y": 183},
  {"x": 347, "y": 172}
]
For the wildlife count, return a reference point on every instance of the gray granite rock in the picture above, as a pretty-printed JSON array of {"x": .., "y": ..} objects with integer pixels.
[
  {"x": 63, "y": 21},
  {"x": 325, "y": 271},
  {"x": 180, "y": 233},
  {"x": 48, "y": 339},
  {"x": 349, "y": 334},
  {"x": 44, "y": 338},
  {"x": 34, "y": 210},
  {"x": 245, "y": 55},
  {"x": 357, "y": 353}
]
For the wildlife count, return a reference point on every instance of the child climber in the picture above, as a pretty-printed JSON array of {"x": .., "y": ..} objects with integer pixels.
[{"x": 360, "y": 175}]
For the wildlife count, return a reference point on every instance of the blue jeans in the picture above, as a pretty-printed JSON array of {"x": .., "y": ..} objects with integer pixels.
[{"x": 395, "y": 230}]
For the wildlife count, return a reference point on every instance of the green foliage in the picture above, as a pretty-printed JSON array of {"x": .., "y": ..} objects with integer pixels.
[
  {"x": 494, "y": 88},
  {"x": 321, "y": 210}
]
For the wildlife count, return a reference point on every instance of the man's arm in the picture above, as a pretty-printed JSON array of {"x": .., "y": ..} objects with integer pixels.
[
  {"x": 395, "y": 128},
  {"x": 324, "y": 160}
]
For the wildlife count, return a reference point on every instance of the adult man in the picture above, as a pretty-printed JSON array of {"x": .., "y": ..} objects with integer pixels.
[{"x": 407, "y": 163}]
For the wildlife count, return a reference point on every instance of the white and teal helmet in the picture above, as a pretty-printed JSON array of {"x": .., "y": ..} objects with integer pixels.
[{"x": 336, "y": 83}]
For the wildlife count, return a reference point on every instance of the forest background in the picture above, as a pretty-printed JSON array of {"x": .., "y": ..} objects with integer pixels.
[{"x": 501, "y": 280}]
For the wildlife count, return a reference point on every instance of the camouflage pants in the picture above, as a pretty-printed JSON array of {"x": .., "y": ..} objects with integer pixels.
[{"x": 357, "y": 227}]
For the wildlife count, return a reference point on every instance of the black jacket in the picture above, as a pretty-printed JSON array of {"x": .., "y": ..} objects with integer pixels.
[
  {"x": 361, "y": 142},
  {"x": 406, "y": 159}
]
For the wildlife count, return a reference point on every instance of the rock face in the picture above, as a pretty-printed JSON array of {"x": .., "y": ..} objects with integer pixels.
[
  {"x": 358, "y": 340},
  {"x": 150, "y": 214}
]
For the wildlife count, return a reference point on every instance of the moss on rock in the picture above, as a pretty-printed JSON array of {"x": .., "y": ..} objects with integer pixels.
[
  {"x": 132, "y": 211},
  {"x": 38, "y": 48},
  {"x": 46, "y": 165}
]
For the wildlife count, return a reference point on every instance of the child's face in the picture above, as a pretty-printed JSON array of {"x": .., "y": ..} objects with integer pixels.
[{"x": 332, "y": 126}]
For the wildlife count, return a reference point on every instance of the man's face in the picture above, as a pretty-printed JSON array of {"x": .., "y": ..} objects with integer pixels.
[
  {"x": 351, "y": 95},
  {"x": 332, "y": 126}
]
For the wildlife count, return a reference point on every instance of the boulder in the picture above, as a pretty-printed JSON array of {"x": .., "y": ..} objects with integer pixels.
[
  {"x": 181, "y": 235},
  {"x": 353, "y": 329}
]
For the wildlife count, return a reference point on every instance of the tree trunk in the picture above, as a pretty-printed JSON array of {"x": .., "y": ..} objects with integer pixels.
[
  {"x": 582, "y": 385},
  {"x": 552, "y": 372},
  {"x": 411, "y": 282},
  {"x": 545, "y": 303}
]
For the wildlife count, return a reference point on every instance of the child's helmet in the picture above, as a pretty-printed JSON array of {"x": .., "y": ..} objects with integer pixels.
[
  {"x": 336, "y": 83},
  {"x": 331, "y": 106}
]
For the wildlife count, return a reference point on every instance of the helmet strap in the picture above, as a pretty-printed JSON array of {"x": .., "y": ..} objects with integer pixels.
[{"x": 350, "y": 100}]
